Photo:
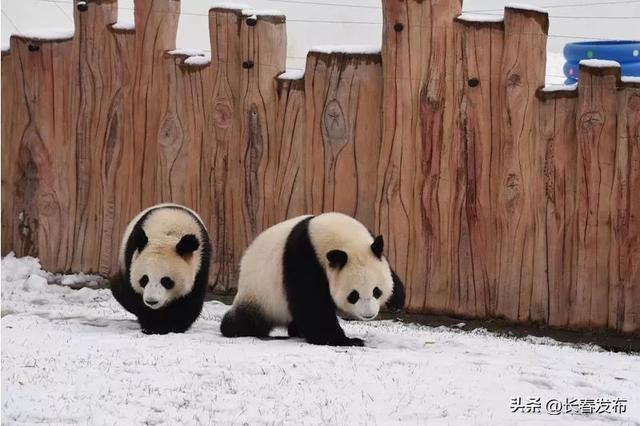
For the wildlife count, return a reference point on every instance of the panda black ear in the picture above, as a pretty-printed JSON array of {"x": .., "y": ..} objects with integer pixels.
[
  {"x": 140, "y": 239},
  {"x": 337, "y": 258},
  {"x": 377, "y": 246},
  {"x": 187, "y": 245}
]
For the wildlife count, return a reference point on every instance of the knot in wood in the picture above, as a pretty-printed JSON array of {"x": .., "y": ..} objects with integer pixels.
[
  {"x": 473, "y": 82},
  {"x": 514, "y": 80},
  {"x": 170, "y": 137},
  {"x": 47, "y": 205},
  {"x": 590, "y": 120},
  {"x": 222, "y": 113},
  {"x": 83, "y": 6},
  {"x": 33, "y": 47},
  {"x": 251, "y": 21},
  {"x": 512, "y": 190},
  {"x": 247, "y": 64},
  {"x": 398, "y": 27},
  {"x": 334, "y": 122}
]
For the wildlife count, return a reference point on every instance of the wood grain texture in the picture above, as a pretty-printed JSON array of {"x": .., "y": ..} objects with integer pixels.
[
  {"x": 98, "y": 138},
  {"x": 480, "y": 44},
  {"x": 155, "y": 126},
  {"x": 518, "y": 215},
  {"x": 120, "y": 183},
  {"x": 496, "y": 198},
  {"x": 263, "y": 54},
  {"x": 45, "y": 164},
  {"x": 626, "y": 298},
  {"x": 289, "y": 200},
  {"x": 6, "y": 150},
  {"x": 342, "y": 143},
  {"x": 558, "y": 140},
  {"x": 418, "y": 181},
  {"x": 597, "y": 143}
]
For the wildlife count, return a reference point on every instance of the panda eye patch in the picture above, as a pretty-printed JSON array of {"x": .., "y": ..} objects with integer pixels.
[
  {"x": 167, "y": 283},
  {"x": 143, "y": 281},
  {"x": 377, "y": 293},
  {"x": 353, "y": 297}
]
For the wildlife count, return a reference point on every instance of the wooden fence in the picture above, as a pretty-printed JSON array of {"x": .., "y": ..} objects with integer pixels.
[{"x": 496, "y": 198}]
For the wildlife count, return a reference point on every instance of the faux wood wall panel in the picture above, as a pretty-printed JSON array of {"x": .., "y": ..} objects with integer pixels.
[{"x": 496, "y": 198}]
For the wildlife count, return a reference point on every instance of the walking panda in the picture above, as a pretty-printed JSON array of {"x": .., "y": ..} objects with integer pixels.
[
  {"x": 163, "y": 268},
  {"x": 301, "y": 272}
]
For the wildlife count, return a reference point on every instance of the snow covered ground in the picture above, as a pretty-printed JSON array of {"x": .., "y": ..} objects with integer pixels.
[{"x": 74, "y": 356}]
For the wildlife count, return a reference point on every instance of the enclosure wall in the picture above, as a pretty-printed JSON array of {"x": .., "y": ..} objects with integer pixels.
[{"x": 496, "y": 198}]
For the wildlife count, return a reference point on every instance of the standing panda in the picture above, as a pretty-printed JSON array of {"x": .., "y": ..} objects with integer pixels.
[
  {"x": 301, "y": 272},
  {"x": 164, "y": 268}
]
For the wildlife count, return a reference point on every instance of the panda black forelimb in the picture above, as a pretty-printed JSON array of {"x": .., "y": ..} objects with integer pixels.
[
  {"x": 312, "y": 308},
  {"x": 124, "y": 294},
  {"x": 397, "y": 299}
]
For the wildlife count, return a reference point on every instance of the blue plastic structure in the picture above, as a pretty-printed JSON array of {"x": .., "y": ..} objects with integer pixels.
[{"x": 625, "y": 52}]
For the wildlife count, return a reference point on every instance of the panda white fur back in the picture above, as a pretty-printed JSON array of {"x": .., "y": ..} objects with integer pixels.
[
  {"x": 260, "y": 281},
  {"x": 164, "y": 268},
  {"x": 301, "y": 272}
]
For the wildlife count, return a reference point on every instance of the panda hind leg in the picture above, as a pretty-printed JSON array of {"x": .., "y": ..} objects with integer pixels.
[{"x": 245, "y": 320}]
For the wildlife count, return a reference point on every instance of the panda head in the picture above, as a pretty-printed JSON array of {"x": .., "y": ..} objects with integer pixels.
[
  {"x": 359, "y": 279},
  {"x": 359, "y": 276},
  {"x": 163, "y": 271}
]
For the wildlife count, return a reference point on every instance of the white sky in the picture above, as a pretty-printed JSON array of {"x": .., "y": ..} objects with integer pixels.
[{"x": 570, "y": 20}]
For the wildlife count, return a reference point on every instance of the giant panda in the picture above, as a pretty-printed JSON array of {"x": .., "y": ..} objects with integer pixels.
[
  {"x": 163, "y": 268},
  {"x": 302, "y": 272}
]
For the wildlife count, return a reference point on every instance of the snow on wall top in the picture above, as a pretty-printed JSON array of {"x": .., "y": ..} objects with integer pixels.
[
  {"x": 187, "y": 52},
  {"x": 50, "y": 34},
  {"x": 630, "y": 79},
  {"x": 559, "y": 88},
  {"x": 473, "y": 17},
  {"x": 291, "y": 74},
  {"x": 347, "y": 48},
  {"x": 261, "y": 12},
  {"x": 198, "y": 61},
  {"x": 599, "y": 63},
  {"x": 125, "y": 24},
  {"x": 229, "y": 6},
  {"x": 245, "y": 9},
  {"x": 523, "y": 6}
]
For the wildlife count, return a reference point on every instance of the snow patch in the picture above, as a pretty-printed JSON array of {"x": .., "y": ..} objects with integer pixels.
[
  {"x": 78, "y": 357},
  {"x": 187, "y": 52},
  {"x": 475, "y": 17},
  {"x": 198, "y": 60},
  {"x": 261, "y": 12},
  {"x": 125, "y": 25},
  {"x": 228, "y": 6},
  {"x": 292, "y": 74},
  {"x": 630, "y": 79},
  {"x": 35, "y": 283},
  {"x": 49, "y": 34},
  {"x": 78, "y": 279},
  {"x": 347, "y": 48},
  {"x": 529, "y": 7},
  {"x": 599, "y": 63},
  {"x": 559, "y": 87},
  {"x": 14, "y": 269}
]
